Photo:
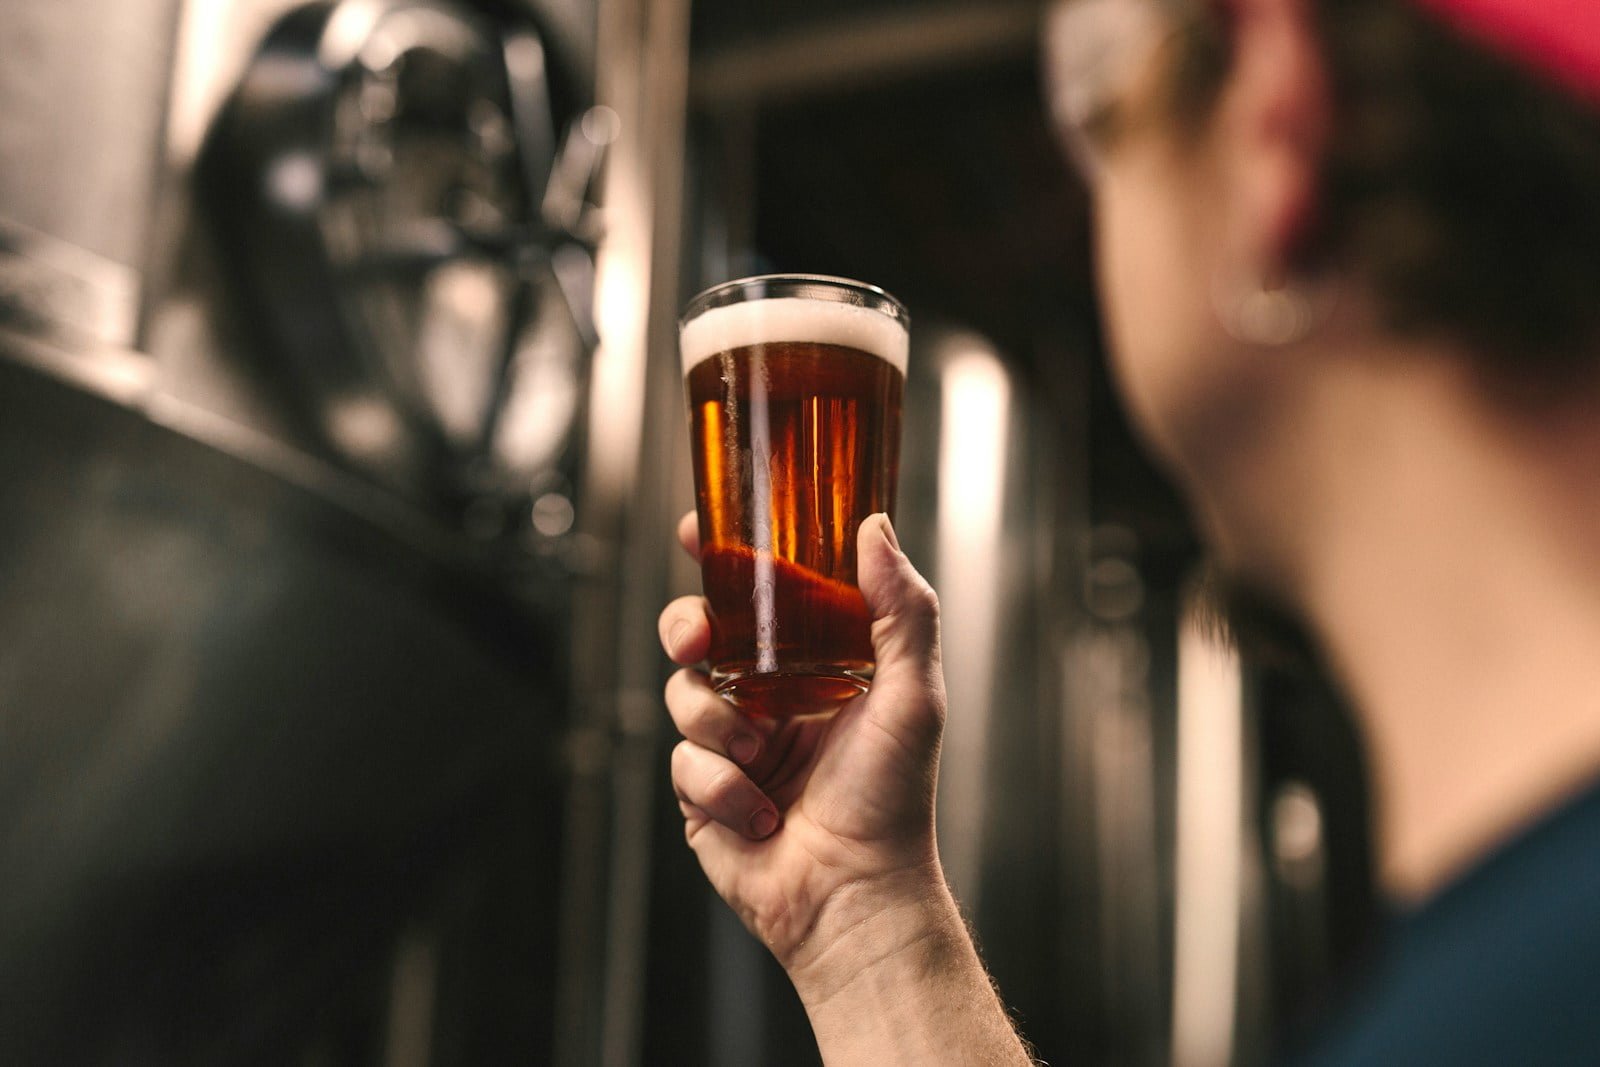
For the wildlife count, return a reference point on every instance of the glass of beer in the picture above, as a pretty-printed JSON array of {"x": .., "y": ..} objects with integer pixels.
[{"x": 794, "y": 384}]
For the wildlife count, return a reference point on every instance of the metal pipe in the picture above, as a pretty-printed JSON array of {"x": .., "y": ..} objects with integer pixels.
[{"x": 624, "y": 517}]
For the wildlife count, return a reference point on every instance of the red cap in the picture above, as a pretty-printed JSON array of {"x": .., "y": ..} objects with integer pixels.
[{"x": 1559, "y": 39}]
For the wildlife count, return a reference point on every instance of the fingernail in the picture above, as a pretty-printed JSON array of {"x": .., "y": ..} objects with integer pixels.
[
  {"x": 743, "y": 748},
  {"x": 888, "y": 534},
  {"x": 763, "y": 822},
  {"x": 675, "y": 635}
]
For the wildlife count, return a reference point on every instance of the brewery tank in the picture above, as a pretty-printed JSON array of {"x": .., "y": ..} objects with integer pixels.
[{"x": 294, "y": 341}]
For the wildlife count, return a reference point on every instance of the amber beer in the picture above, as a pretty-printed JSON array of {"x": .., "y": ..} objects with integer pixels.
[{"x": 794, "y": 385}]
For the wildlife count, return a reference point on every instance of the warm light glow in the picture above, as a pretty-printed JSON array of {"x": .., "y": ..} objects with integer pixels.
[
  {"x": 217, "y": 41},
  {"x": 1210, "y": 847},
  {"x": 601, "y": 124},
  {"x": 972, "y": 453},
  {"x": 349, "y": 28},
  {"x": 714, "y": 449},
  {"x": 459, "y": 342},
  {"x": 294, "y": 182},
  {"x": 1297, "y": 836},
  {"x": 618, "y": 373},
  {"x": 196, "y": 69},
  {"x": 544, "y": 389},
  {"x": 364, "y": 426},
  {"x": 405, "y": 30},
  {"x": 975, "y": 416}
]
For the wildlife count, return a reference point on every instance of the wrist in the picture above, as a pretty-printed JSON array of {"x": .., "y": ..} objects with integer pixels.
[
  {"x": 877, "y": 932},
  {"x": 893, "y": 978}
]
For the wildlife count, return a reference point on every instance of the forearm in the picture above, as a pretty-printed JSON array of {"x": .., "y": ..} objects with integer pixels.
[{"x": 901, "y": 983}]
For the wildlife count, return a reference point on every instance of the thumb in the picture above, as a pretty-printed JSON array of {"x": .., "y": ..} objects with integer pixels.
[{"x": 904, "y": 609}]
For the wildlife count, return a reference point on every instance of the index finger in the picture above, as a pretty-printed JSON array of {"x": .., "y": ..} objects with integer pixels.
[{"x": 689, "y": 535}]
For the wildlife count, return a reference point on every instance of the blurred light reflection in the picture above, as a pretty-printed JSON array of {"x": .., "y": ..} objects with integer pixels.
[
  {"x": 974, "y": 422},
  {"x": 365, "y": 426},
  {"x": 1210, "y": 845}
]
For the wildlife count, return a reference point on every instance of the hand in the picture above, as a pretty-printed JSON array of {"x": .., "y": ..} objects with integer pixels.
[{"x": 800, "y": 824}]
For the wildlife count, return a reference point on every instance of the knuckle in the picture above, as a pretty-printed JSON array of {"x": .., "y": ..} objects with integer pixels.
[
  {"x": 687, "y": 704},
  {"x": 682, "y": 757},
  {"x": 723, "y": 789},
  {"x": 693, "y": 713},
  {"x": 696, "y": 714},
  {"x": 676, "y": 693}
]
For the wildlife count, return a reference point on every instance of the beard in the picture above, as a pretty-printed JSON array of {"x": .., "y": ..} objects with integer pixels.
[{"x": 1262, "y": 627}]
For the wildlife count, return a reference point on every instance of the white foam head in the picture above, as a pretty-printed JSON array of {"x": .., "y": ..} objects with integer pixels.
[{"x": 778, "y": 319}]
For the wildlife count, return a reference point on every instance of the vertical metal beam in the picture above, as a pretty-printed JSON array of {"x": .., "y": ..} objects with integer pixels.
[{"x": 625, "y": 521}]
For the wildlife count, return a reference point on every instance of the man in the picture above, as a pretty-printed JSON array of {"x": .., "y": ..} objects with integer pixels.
[{"x": 1348, "y": 261}]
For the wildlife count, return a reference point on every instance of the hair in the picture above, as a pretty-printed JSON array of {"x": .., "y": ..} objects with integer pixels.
[{"x": 1461, "y": 189}]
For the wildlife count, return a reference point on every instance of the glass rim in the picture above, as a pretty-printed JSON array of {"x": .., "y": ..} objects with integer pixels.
[{"x": 823, "y": 287}]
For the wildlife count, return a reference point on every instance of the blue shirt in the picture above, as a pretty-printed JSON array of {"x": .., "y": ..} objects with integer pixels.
[{"x": 1502, "y": 968}]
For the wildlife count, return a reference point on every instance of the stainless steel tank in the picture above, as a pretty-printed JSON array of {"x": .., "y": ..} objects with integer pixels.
[{"x": 294, "y": 343}]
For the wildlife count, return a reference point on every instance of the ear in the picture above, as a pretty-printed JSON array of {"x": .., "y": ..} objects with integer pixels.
[{"x": 1274, "y": 117}]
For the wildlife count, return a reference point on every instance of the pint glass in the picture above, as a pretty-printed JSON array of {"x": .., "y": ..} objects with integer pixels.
[{"x": 794, "y": 385}]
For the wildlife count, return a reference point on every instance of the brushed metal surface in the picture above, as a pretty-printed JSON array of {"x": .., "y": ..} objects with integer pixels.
[
  {"x": 250, "y": 742},
  {"x": 84, "y": 85}
]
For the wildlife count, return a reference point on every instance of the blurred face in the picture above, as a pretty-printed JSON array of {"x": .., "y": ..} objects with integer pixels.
[
  {"x": 1184, "y": 208},
  {"x": 1156, "y": 227}
]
